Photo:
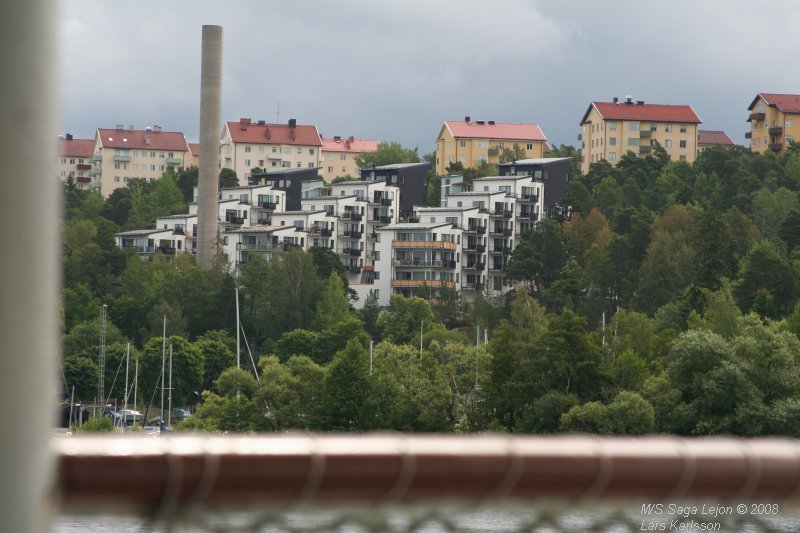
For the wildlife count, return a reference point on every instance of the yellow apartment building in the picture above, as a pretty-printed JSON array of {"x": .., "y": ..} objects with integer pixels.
[
  {"x": 338, "y": 157},
  {"x": 774, "y": 122},
  {"x": 121, "y": 154},
  {"x": 469, "y": 142},
  {"x": 246, "y": 145},
  {"x": 609, "y": 130}
]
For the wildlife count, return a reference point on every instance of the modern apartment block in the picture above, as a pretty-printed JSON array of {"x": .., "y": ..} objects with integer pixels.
[
  {"x": 338, "y": 157},
  {"x": 468, "y": 142},
  {"x": 410, "y": 178},
  {"x": 75, "y": 160},
  {"x": 246, "y": 145},
  {"x": 709, "y": 138},
  {"x": 465, "y": 244},
  {"x": 297, "y": 183},
  {"x": 612, "y": 129},
  {"x": 121, "y": 154},
  {"x": 551, "y": 172},
  {"x": 772, "y": 122}
]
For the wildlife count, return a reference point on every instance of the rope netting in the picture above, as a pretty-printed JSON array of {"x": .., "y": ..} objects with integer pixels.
[{"x": 429, "y": 483}]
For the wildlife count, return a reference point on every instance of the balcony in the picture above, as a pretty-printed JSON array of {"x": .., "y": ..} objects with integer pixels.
[
  {"x": 97, "y": 158},
  {"x": 756, "y": 116},
  {"x": 386, "y": 201},
  {"x": 95, "y": 185},
  {"x": 352, "y": 252},
  {"x": 776, "y": 130},
  {"x": 267, "y": 205},
  {"x": 326, "y": 232},
  {"x": 234, "y": 220},
  {"x": 122, "y": 158},
  {"x": 494, "y": 152},
  {"x": 645, "y": 134},
  {"x": 84, "y": 166},
  {"x": 258, "y": 247},
  {"x": 178, "y": 230},
  {"x": 508, "y": 232},
  {"x": 167, "y": 250},
  {"x": 645, "y": 149},
  {"x": 775, "y": 147},
  {"x": 350, "y": 215},
  {"x": 353, "y": 234},
  {"x": 505, "y": 213},
  {"x": 748, "y": 135},
  {"x": 354, "y": 269},
  {"x": 474, "y": 286},
  {"x": 425, "y": 245},
  {"x": 174, "y": 161},
  {"x": 413, "y": 220},
  {"x": 382, "y": 219},
  {"x": 422, "y": 283},
  {"x": 83, "y": 179},
  {"x": 95, "y": 172}
]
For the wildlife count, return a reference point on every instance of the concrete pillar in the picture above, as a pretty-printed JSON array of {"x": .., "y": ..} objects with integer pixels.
[
  {"x": 208, "y": 176},
  {"x": 30, "y": 213}
]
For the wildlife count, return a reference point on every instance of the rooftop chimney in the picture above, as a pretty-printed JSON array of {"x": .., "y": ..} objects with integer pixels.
[
  {"x": 156, "y": 128},
  {"x": 491, "y": 122},
  {"x": 69, "y": 136},
  {"x": 639, "y": 102},
  {"x": 616, "y": 100},
  {"x": 466, "y": 119},
  {"x": 130, "y": 128},
  {"x": 292, "y": 123},
  {"x": 119, "y": 127},
  {"x": 628, "y": 99}
]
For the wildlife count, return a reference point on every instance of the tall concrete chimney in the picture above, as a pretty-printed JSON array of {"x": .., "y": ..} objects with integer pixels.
[{"x": 208, "y": 175}]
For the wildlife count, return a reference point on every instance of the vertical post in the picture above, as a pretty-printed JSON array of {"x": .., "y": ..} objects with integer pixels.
[
  {"x": 125, "y": 397},
  {"x": 477, "y": 351},
  {"x": 29, "y": 330},
  {"x": 370, "y": 357},
  {"x": 101, "y": 361},
  {"x": 208, "y": 173},
  {"x": 421, "y": 323}
]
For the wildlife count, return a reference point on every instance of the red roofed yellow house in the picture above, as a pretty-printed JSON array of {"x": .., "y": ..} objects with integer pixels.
[
  {"x": 709, "y": 138},
  {"x": 246, "y": 145},
  {"x": 469, "y": 142},
  {"x": 612, "y": 129},
  {"x": 75, "y": 160},
  {"x": 338, "y": 156},
  {"x": 774, "y": 122},
  {"x": 121, "y": 154}
]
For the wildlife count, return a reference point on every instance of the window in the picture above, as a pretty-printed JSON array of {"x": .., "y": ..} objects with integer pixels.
[
  {"x": 286, "y": 150},
  {"x": 463, "y": 144},
  {"x": 482, "y": 158},
  {"x": 343, "y": 157},
  {"x": 667, "y": 143},
  {"x": 247, "y": 149},
  {"x": 683, "y": 144},
  {"x": 789, "y": 139},
  {"x": 612, "y": 156},
  {"x": 330, "y": 169},
  {"x": 116, "y": 179},
  {"x": 683, "y": 128},
  {"x": 116, "y": 165},
  {"x": 299, "y": 164},
  {"x": 161, "y": 155},
  {"x": 612, "y": 125},
  {"x": 633, "y": 126},
  {"x": 286, "y": 164},
  {"x": 261, "y": 149},
  {"x": 612, "y": 141},
  {"x": 483, "y": 144},
  {"x": 683, "y": 158},
  {"x": 788, "y": 123},
  {"x": 668, "y": 128},
  {"x": 247, "y": 162},
  {"x": 299, "y": 150},
  {"x": 529, "y": 146},
  {"x": 633, "y": 141},
  {"x": 311, "y": 151},
  {"x": 311, "y": 165},
  {"x": 462, "y": 158}
]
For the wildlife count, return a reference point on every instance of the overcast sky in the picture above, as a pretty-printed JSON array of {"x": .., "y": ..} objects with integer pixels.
[{"x": 394, "y": 70}]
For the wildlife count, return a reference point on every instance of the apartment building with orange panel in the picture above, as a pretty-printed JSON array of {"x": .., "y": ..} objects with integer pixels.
[
  {"x": 469, "y": 142},
  {"x": 774, "y": 122},
  {"x": 609, "y": 130}
]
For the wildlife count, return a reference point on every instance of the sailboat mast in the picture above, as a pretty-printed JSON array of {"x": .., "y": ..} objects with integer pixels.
[
  {"x": 125, "y": 398},
  {"x": 169, "y": 404},
  {"x": 163, "y": 363},
  {"x": 238, "y": 327},
  {"x": 101, "y": 386},
  {"x": 135, "y": 385}
]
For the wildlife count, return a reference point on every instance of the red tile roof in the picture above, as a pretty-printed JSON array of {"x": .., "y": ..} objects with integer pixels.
[
  {"x": 194, "y": 148},
  {"x": 143, "y": 139},
  {"x": 76, "y": 147},
  {"x": 495, "y": 130},
  {"x": 349, "y": 144},
  {"x": 646, "y": 112},
  {"x": 787, "y": 103},
  {"x": 244, "y": 131},
  {"x": 706, "y": 137}
]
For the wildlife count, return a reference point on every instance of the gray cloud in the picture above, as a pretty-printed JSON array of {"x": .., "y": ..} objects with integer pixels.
[{"x": 395, "y": 70}]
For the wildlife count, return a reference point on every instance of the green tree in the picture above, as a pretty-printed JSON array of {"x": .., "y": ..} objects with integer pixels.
[
  {"x": 289, "y": 392},
  {"x": 388, "y": 153},
  {"x": 80, "y": 373},
  {"x": 217, "y": 348},
  {"x": 767, "y": 282},
  {"x": 228, "y": 178},
  {"x": 591, "y": 417},
  {"x": 402, "y": 322},
  {"x": 538, "y": 258},
  {"x": 345, "y": 389},
  {"x": 293, "y": 290},
  {"x": 630, "y": 414},
  {"x": 187, "y": 369},
  {"x": 332, "y": 306}
]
